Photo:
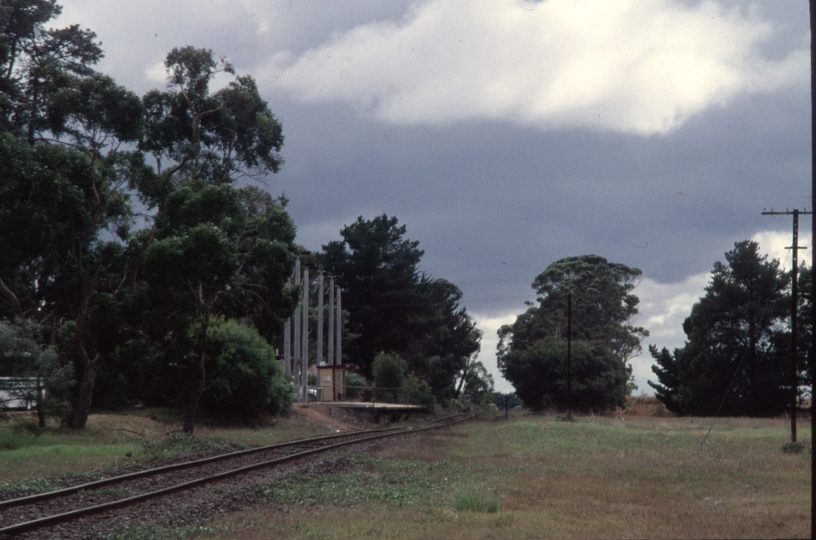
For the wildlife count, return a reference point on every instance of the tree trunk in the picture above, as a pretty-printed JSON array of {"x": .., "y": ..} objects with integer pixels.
[
  {"x": 192, "y": 408},
  {"x": 82, "y": 408},
  {"x": 90, "y": 368},
  {"x": 462, "y": 380},
  {"x": 10, "y": 298}
]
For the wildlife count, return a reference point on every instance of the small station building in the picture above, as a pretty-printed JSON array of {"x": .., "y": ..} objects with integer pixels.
[{"x": 332, "y": 382}]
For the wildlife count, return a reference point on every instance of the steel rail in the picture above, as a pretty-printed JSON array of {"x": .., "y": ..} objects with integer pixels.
[
  {"x": 29, "y": 499},
  {"x": 120, "y": 503},
  {"x": 449, "y": 417}
]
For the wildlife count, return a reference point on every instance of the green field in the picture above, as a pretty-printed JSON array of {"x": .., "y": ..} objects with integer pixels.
[
  {"x": 537, "y": 477},
  {"x": 526, "y": 477},
  {"x": 32, "y": 457}
]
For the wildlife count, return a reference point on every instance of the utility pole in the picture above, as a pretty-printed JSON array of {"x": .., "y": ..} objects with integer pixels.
[
  {"x": 794, "y": 380},
  {"x": 569, "y": 355},
  {"x": 812, "y": 9}
]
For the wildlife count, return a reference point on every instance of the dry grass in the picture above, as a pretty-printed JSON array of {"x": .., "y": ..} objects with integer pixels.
[
  {"x": 593, "y": 478},
  {"x": 28, "y": 453},
  {"x": 620, "y": 476}
]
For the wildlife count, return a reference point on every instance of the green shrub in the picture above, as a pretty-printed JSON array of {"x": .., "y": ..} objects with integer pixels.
[
  {"x": 470, "y": 501},
  {"x": 242, "y": 374},
  {"x": 795, "y": 447},
  {"x": 491, "y": 408},
  {"x": 354, "y": 385},
  {"x": 419, "y": 393},
  {"x": 389, "y": 373}
]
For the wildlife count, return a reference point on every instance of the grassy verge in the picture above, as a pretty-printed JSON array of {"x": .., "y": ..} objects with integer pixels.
[
  {"x": 34, "y": 459},
  {"x": 534, "y": 477},
  {"x": 31, "y": 455},
  {"x": 527, "y": 477}
]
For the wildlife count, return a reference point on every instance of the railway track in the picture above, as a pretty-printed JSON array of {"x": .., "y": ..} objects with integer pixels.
[{"x": 30, "y": 513}]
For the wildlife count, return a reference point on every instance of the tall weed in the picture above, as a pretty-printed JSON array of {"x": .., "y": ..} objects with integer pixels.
[{"x": 471, "y": 501}]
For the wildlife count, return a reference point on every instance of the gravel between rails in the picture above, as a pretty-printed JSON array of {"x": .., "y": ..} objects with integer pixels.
[{"x": 193, "y": 507}]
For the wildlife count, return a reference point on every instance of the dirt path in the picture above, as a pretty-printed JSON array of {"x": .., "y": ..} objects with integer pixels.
[{"x": 323, "y": 415}]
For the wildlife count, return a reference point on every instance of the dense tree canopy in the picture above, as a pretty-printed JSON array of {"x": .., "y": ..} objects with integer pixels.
[
  {"x": 35, "y": 62},
  {"x": 75, "y": 149},
  {"x": 539, "y": 375},
  {"x": 223, "y": 251},
  {"x": 532, "y": 352},
  {"x": 737, "y": 353},
  {"x": 212, "y": 137},
  {"x": 50, "y": 222},
  {"x": 395, "y": 308}
]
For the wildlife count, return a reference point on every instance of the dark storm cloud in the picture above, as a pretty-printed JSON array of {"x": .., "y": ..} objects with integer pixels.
[
  {"x": 495, "y": 199},
  {"x": 493, "y": 204}
]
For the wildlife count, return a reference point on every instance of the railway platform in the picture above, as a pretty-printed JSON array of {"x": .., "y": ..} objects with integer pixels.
[{"x": 381, "y": 413}]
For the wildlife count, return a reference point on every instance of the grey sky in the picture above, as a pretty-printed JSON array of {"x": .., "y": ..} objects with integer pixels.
[{"x": 508, "y": 134}]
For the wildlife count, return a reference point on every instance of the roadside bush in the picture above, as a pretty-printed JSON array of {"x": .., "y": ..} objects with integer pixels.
[
  {"x": 243, "y": 375},
  {"x": 419, "y": 393},
  {"x": 354, "y": 385},
  {"x": 389, "y": 373}
]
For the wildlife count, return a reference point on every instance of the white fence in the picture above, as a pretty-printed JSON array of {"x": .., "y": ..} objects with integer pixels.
[{"x": 18, "y": 393}]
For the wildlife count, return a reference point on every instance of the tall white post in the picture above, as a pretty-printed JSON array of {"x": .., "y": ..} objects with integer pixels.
[
  {"x": 296, "y": 319},
  {"x": 339, "y": 333},
  {"x": 331, "y": 322},
  {"x": 287, "y": 341},
  {"x": 320, "y": 318},
  {"x": 304, "y": 349}
]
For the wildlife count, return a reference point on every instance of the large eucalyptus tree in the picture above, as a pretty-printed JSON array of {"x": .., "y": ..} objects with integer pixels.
[{"x": 532, "y": 352}]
